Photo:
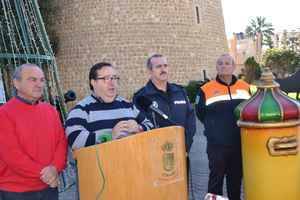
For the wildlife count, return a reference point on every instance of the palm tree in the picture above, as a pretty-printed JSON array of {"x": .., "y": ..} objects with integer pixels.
[{"x": 258, "y": 25}]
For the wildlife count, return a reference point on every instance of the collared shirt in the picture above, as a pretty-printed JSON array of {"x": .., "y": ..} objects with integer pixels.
[{"x": 26, "y": 100}]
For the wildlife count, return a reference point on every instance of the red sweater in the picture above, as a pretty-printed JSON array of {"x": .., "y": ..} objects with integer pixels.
[{"x": 31, "y": 138}]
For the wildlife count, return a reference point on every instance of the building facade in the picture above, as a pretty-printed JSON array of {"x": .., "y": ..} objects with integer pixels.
[
  {"x": 190, "y": 33},
  {"x": 288, "y": 40},
  {"x": 241, "y": 48}
]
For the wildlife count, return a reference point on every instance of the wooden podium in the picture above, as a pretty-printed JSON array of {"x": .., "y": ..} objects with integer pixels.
[{"x": 146, "y": 166}]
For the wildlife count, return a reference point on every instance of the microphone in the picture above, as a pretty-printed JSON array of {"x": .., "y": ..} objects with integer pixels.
[{"x": 145, "y": 103}]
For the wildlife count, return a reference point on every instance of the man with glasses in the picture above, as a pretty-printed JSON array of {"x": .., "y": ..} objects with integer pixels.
[
  {"x": 103, "y": 115},
  {"x": 170, "y": 98}
]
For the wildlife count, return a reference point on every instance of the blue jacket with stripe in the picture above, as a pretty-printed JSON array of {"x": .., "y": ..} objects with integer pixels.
[{"x": 215, "y": 104}]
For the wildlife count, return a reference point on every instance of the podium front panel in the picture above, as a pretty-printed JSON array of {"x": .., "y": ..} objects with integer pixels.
[{"x": 146, "y": 166}]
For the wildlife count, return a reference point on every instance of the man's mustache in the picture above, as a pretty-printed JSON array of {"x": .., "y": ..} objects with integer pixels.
[{"x": 163, "y": 72}]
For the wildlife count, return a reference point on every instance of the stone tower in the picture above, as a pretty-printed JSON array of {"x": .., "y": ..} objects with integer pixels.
[{"x": 190, "y": 33}]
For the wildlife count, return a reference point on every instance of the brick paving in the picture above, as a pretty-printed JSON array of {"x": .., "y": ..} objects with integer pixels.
[{"x": 199, "y": 166}]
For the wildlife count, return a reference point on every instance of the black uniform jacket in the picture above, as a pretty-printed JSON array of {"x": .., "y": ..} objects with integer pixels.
[
  {"x": 174, "y": 103},
  {"x": 215, "y": 106}
]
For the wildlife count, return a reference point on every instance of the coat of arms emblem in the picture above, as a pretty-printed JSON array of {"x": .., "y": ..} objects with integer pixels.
[{"x": 168, "y": 159}]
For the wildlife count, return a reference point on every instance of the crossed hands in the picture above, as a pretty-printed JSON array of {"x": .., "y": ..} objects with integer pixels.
[
  {"x": 123, "y": 128},
  {"x": 49, "y": 175}
]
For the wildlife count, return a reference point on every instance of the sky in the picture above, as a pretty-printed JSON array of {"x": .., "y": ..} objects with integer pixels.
[{"x": 283, "y": 14}]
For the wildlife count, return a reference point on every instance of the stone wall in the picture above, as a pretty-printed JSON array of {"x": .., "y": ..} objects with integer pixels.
[{"x": 125, "y": 32}]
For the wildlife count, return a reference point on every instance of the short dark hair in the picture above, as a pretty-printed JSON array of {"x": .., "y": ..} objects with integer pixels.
[
  {"x": 93, "y": 71},
  {"x": 149, "y": 63}
]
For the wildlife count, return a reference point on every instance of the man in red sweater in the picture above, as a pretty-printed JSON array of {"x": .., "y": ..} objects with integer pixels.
[{"x": 32, "y": 141}]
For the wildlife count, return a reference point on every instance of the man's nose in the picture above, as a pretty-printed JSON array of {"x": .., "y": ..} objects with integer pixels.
[{"x": 112, "y": 82}]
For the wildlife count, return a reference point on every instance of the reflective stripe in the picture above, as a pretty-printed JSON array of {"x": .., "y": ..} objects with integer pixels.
[{"x": 240, "y": 94}]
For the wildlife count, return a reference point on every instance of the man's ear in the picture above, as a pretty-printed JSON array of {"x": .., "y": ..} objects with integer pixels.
[
  {"x": 149, "y": 70},
  {"x": 16, "y": 84},
  {"x": 93, "y": 82}
]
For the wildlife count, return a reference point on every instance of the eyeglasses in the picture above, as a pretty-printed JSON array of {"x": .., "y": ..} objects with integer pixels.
[{"x": 108, "y": 78}]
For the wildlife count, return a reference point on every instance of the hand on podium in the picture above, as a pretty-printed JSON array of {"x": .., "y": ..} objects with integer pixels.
[
  {"x": 133, "y": 126},
  {"x": 125, "y": 128},
  {"x": 120, "y": 135}
]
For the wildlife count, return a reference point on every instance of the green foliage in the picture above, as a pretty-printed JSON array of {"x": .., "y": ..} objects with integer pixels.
[
  {"x": 268, "y": 41},
  {"x": 252, "y": 70},
  {"x": 291, "y": 41},
  {"x": 259, "y": 25},
  {"x": 192, "y": 89},
  {"x": 294, "y": 44},
  {"x": 281, "y": 61}
]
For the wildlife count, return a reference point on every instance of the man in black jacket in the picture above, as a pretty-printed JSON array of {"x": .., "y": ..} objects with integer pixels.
[
  {"x": 170, "y": 98},
  {"x": 215, "y": 104}
]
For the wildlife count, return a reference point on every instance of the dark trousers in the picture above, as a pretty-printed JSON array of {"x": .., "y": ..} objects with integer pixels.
[
  {"x": 46, "y": 194},
  {"x": 225, "y": 161}
]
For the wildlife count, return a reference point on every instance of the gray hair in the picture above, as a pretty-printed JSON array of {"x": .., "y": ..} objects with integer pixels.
[
  {"x": 18, "y": 70},
  {"x": 227, "y": 55},
  {"x": 149, "y": 63}
]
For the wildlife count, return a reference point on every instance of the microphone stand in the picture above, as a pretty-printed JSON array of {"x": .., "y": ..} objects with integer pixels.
[{"x": 154, "y": 120}]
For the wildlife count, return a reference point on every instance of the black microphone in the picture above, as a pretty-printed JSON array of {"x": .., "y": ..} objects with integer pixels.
[{"x": 145, "y": 103}]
